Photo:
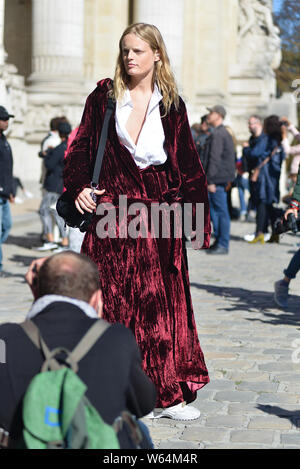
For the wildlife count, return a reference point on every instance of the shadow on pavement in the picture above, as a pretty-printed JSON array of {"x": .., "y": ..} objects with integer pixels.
[
  {"x": 256, "y": 301},
  {"x": 29, "y": 241},
  {"x": 25, "y": 260},
  {"x": 292, "y": 415}
]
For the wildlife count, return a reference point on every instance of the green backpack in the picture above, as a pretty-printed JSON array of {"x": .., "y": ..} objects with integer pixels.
[{"x": 56, "y": 412}]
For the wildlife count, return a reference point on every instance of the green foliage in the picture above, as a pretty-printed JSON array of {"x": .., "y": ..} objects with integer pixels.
[{"x": 288, "y": 21}]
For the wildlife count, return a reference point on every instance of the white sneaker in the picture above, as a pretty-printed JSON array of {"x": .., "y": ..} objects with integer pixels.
[
  {"x": 177, "y": 412},
  {"x": 60, "y": 249},
  {"x": 18, "y": 200},
  {"x": 47, "y": 247},
  {"x": 250, "y": 237},
  {"x": 28, "y": 194}
]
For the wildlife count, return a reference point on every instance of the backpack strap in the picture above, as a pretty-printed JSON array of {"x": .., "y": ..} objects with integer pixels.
[
  {"x": 88, "y": 340},
  {"x": 83, "y": 347},
  {"x": 32, "y": 331}
]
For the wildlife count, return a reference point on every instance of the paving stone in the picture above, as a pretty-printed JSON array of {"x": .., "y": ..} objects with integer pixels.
[
  {"x": 225, "y": 421},
  {"x": 269, "y": 423},
  {"x": 278, "y": 398},
  {"x": 258, "y": 387},
  {"x": 221, "y": 384},
  {"x": 159, "y": 433},
  {"x": 205, "y": 434},
  {"x": 249, "y": 376},
  {"x": 235, "y": 396},
  {"x": 246, "y": 340},
  {"x": 291, "y": 439},
  {"x": 178, "y": 444},
  {"x": 245, "y": 409},
  {"x": 252, "y": 436}
]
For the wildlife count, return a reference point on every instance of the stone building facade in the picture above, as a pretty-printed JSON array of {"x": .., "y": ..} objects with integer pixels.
[{"x": 52, "y": 53}]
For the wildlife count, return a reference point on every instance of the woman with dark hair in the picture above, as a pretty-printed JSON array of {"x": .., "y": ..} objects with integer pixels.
[
  {"x": 150, "y": 158},
  {"x": 265, "y": 176}
]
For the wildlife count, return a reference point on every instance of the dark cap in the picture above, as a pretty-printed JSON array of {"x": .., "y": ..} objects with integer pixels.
[
  {"x": 219, "y": 109},
  {"x": 64, "y": 128},
  {"x": 4, "y": 115}
]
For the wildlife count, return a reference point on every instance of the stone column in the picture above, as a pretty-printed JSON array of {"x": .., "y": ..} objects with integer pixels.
[
  {"x": 168, "y": 17},
  {"x": 57, "y": 46},
  {"x": 105, "y": 23},
  {"x": 2, "y": 50}
]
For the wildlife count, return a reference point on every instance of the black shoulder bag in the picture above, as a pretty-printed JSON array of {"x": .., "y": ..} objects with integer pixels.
[{"x": 66, "y": 205}]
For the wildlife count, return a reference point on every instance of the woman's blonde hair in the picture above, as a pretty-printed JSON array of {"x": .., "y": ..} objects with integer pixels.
[{"x": 162, "y": 75}]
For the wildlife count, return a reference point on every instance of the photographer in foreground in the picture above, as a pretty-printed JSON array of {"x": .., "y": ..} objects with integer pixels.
[
  {"x": 68, "y": 301},
  {"x": 282, "y": 286}
]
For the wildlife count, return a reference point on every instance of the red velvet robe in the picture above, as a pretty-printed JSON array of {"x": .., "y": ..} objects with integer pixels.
[{"x": 145, "y": 284}]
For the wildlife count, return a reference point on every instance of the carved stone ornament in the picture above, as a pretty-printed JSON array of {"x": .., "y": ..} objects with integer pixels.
[{"x": 258, "y": 37}]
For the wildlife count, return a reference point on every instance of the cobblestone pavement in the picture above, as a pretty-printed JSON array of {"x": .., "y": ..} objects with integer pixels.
[{"x": 250, "y": 346}]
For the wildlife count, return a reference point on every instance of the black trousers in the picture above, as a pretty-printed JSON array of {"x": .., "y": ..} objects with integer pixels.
[{"x": 265, "y": 214}]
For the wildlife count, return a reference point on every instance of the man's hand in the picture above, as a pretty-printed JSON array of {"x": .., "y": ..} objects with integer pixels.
[
  {"x": 212, "y": 188},
  {"x": 85, "y": 202},
  {"x": 285, "y": 119},
  {"x": 294, "y": 211},
  {"x": 245, "y": 144},
  {"x": 11, "y": 199},
  {"x": 31, "y": 276}
]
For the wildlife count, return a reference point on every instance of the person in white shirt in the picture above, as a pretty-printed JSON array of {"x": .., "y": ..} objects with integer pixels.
[
  {"x": 51, "y": 140},
  {"x": 151, "y": 159},
  {"x": 293, "y": 150}
]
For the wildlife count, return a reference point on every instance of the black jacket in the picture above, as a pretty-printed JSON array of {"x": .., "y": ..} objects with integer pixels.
[
  {"x": 111, "y": 369},
  {"x": 6, "y": 168},
  {"x": 221, "y": 159},
  {"x": 54, "y": 162}
]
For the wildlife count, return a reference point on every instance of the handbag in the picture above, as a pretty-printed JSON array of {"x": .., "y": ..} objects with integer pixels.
[
  {"x": 256, "y": 171},
  {"x": 65, "y": 205}
]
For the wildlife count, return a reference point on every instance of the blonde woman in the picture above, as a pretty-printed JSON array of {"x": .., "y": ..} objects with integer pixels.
[{"x": 150, "y": 158}]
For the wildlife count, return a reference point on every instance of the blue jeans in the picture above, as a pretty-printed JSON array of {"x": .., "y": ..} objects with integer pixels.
[
  {"x": 220, "y": 216},
  {"x": 5, "y": 224},
  {"x": 294, "y": 266},
  {"x": 242, "y": 184}
]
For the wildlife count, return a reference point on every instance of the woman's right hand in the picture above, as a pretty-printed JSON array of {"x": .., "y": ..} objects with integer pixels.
[{"x": 84, "y": 201}]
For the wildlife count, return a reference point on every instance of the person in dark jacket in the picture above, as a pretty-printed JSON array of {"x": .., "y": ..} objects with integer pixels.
[
  {"x": 252, "y": 150},
  {"x": 68, "y": 301},
  {"x": 53, "y": 186},
  {"x": 266, "y": 188},
  {"x": 6, "y": 183},
  {"x": 220, "y": 173},
  {"x": 202, "y": 141}
]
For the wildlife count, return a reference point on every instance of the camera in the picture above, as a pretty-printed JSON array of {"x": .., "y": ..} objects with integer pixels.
[
  {"x": 283, "y": 225},
  {"x": 285, "y": 123}
]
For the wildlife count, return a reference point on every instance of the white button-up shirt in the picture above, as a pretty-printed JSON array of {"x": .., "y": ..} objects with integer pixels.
[{"x": 149, "y": 149}]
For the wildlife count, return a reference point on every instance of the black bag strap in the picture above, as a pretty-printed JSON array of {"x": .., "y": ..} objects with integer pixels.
[
  {"x": 83, "y": 347},
  {"x": 102, "y": 143}
]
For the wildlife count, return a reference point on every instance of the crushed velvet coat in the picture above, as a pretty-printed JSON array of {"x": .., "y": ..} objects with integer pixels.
[{"x": 145, "y": 284}]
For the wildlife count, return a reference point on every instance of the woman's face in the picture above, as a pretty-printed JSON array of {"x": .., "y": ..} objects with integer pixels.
[{"x": 138, "y": 57}]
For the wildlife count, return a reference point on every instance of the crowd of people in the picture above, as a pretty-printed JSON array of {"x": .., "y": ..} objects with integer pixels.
[
  {"x": 257, "y": 170},
  {"x": 137, "y": 284}
]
